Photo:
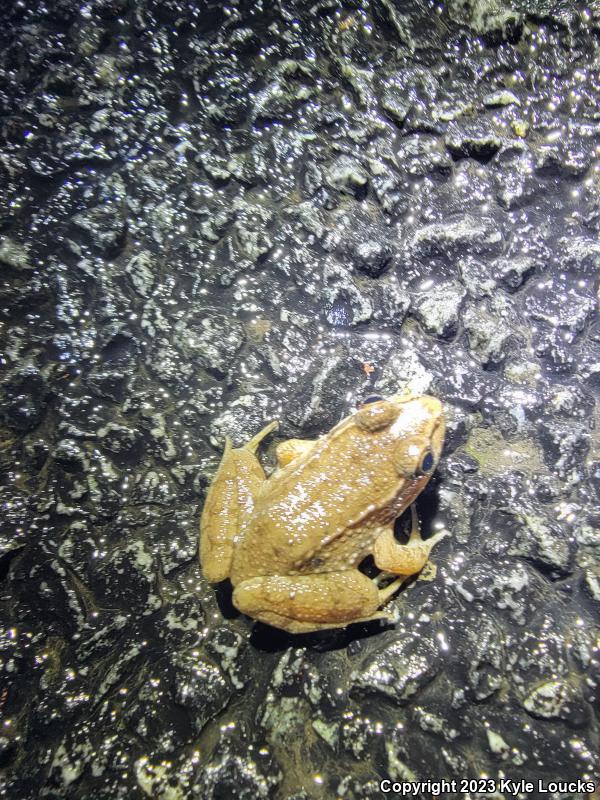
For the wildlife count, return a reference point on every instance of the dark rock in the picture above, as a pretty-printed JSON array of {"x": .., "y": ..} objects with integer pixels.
[
  {"x": 313, "y": 178},
  {"x": 229, "y": 773},
  {"x": 508, "y": 587},
  {"x": 154, "y": 488},
  {"x": 14, "y": 255},
  {"x": 346, "y": 305},
  {"x": 353, "y": 787},
  {"x": 500, "y": 99},
  {"x": 556, "y": 699},
  {"x": 405, "y": 368},
  {"x": 494, "y": 21},
  {"x": 464, "y": 235},
  {"x": 390, "y": 302},
  {"x": 395, "y": 105},
  {"x": 70, "y": 455},
  {"x": 128, "y": 576},
  {"x": 26, "y": 394},
  {"x": 371, "y": 257},
  {"x": 142, "y": 273},
  {"x": 348, "y": 176},
  {"x": 590, "y": 202},
  {"x": 181, "y": 624},
  {"x": 321, "y": 398},
  {"x": 580, "y": 254},
  {"x": 564, "y": 307},
  {"x": 200, "y": 687},
  {"x": 242, "y": 419},
  {"x": 219, "y": 167},
  {"x": 562, "y": 158},
  {"x": 514, "y": 271},
  {"x": 358, "y": 735},
  {"x": 489, "y": 336},
  {"x": 391, "y": 193},
  {"x": 398, "y": 672},
  {"x": 104, "y": 227},
  {"x": 278, "y": 100},
  {"x": 152, "y": 717},
  {"x": 555, "y": 350},
  {"x": 545, "y": 543},
  {"x": 212, "y": 339},
  {"x": 417, "y": 89},
  {"x": 110, "y": 384},
  {"x": 474, "y": 140},
  {"x": 118, "y": 438},
  {"x": 421, "y": 154},
  {"x": 176, "y": 539},
  {"x": 438, "y": 309},
  {"x": 362, "y": 237},
  {"x": 251, "y": 232},
  {"x": 8, "y": 750},
  {"x": 565, "y": 446},
  {"x": 516, "y": 184},
  {"x": 477, "y": 276},
  {"x": 229, "y": 650}
]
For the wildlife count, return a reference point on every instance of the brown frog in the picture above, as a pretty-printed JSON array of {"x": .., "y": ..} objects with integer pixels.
[{"x": 291, "y": 544}]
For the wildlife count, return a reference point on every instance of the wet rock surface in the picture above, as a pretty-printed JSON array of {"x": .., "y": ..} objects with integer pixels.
[{"x": 212, "y": 218}]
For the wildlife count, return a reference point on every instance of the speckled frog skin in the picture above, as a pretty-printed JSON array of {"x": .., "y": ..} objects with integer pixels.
[{"x": 291, "y": 544}]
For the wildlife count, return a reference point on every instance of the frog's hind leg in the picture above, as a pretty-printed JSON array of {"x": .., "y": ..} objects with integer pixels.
[
  {"x": 305, "y": 603},
  {"x": 229, "y": 501},
  {"x": 404, "y": 559},
  {"x": 292, "y": 449}
]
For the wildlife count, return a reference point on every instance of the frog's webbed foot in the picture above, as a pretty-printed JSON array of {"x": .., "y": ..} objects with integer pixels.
[
  {"x": 305, "y": 603},
  {"x": 292, "y": 449},
  {"x": 404, "y": 559}
]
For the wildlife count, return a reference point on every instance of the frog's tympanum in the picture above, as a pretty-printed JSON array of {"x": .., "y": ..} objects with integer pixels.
[{"x": 291, "y": 544}]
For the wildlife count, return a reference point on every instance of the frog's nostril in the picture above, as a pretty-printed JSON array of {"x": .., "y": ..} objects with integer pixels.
[{"x": 372, "y": 398}]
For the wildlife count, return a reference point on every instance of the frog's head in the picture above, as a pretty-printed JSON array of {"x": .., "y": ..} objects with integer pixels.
[{"x": 412, "y": 428}]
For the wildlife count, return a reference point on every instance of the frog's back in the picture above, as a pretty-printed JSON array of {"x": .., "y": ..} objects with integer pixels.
[{"x": 309, "y": 505}]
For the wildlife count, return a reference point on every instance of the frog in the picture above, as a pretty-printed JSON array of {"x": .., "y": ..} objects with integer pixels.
[{"x": 291, "y": 544}]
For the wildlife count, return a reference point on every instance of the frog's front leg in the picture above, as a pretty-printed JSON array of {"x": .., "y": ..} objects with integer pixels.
[
  {"x": 292, "y": 449},
  {"x": 404, "y": 559},
  {"x": 229, "y": 501},
  {"x": 305, "y": 603}
]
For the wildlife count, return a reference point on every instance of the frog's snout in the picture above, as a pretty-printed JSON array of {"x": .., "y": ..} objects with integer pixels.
[
  {"x": 435, "y": 425},
  {"x": 421, "y": 416}
]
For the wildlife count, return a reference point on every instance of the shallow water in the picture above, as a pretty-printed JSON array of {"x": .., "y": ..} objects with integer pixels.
[{"x": 213, "y": 215}]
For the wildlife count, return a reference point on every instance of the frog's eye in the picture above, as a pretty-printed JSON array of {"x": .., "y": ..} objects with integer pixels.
[
  {"x": 427, "y": 464},
  {"x": 413, "y": 458},
  {"x": 372, "y": 398},
  {"x": 376, "y": 416}
]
